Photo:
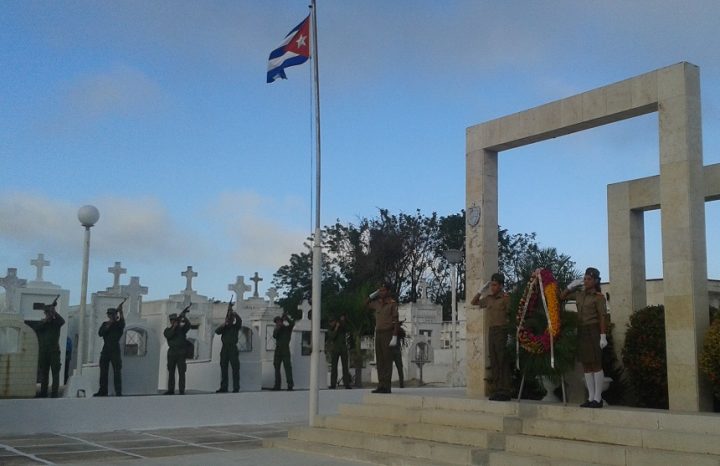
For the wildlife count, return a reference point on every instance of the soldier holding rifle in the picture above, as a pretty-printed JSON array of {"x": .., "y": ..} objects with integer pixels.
[
  {"x": 48, "y": 333},
  {"x": 337, "y": 335},
  {"x": 282, "y": 334},
  {"x": 111, "y": 332},
  {"x": 229, "y": 353},
  {"x": 175, "y": 335}
]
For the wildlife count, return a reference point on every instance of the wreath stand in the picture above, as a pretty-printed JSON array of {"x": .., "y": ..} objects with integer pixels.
[
  {"x": 552, "y": 346},
  {"x": 562, "y": 385}
]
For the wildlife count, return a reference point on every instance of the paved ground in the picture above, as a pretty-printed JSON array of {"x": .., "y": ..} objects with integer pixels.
[{"x": 216, "y": 445}]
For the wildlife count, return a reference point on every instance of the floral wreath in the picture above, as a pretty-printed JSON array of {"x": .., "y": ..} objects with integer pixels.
[{"x": 541, "y": 279}]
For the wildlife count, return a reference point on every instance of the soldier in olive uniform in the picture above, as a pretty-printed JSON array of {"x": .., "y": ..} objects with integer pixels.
[
  {"x": 282, "y": 334},
  {"x": 592, "y": 314},
  {"x": 111, "y": 332},
  {"x": 387, "y": 324},
  {"x": 497, "y": 308},
  {"x": 337, "y": 337},
  {"x": 229, "y": 354},
  {"x": 175, "y": 335},
  {"x": 48, "y": 333}
]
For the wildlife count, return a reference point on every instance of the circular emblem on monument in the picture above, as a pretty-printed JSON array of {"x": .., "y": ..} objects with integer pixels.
[{"x": 473, "y": 216}]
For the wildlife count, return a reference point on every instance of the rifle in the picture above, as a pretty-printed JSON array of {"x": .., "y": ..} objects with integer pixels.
[
  {"x": 229, "y": 317},
  {"x": 119, "y": 309},
  {"x": 52, "y": 312}
]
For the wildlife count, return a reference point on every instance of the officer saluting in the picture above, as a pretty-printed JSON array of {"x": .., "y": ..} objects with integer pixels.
[{"x": 111, "y": 332}]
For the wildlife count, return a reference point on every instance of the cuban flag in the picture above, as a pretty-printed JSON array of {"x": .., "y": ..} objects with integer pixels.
[{"x": 294, "y": 50}]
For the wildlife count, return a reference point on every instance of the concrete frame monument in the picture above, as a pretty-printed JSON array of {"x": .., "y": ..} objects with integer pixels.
[
  {"x": 627, "y": 203},
  {"x": 674, "y": 93}
]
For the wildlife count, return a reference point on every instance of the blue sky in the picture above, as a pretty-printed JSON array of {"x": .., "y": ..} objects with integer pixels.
[{"x": 158, "y": 113}]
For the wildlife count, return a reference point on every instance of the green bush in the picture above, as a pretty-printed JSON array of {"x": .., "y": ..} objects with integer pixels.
[
  {"x": 644, "y": 357},
  {"x": 710, "y": 356}
]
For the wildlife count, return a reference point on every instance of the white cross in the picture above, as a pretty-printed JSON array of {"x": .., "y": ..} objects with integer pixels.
[
  {"x": 256, "y": 279},
  {"x": 272, "y": 294},
  {"x": 40, "y": 262},
  {"x": 189, "y": 274},
  {"x": 117, "y": 270},
  {"x": 239, "y": 287},
  {"x": 305, "y": 307},
  {"x": 10, "y": 283},
  {"x": 133, "y": 292}
]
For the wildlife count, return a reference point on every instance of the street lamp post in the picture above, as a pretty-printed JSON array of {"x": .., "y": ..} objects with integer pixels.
[
  {"x": 453, "y": 256},
  {"x": 88, "y": 216}
]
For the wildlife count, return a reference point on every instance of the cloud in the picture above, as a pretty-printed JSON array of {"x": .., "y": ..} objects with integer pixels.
[
  {"x": 260, "y": 231},
  {"x": 139, "y": 228},
  {"x": 119, "y": 92}
]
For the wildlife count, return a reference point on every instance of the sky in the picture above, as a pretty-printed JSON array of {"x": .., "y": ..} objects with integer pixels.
[{"x": 158, "y": 114}]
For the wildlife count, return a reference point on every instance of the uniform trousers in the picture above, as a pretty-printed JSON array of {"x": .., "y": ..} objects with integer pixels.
[
  {"x": 500, "y": 369},
  {"x": 49, "y": 360},
  {"x": 343, "y": 357},
  {"x": 229, "y": 357},
  {"x": 282, "y": 356},
  {"x": 383, "y": 358},
  {"x": 176, "y": 361},
  {"x": 105, "y": 360}
]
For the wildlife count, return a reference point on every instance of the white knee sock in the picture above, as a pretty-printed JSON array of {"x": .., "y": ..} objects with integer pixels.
[
  {"x": 590, "y": 384},
  {"x": 599, "y": 379}
]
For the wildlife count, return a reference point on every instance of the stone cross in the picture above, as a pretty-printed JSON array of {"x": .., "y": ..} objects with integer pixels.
[
  {"x": 422, "y": 290},
  {"x": 305, "y": 307},
  {"x": 272, "y": 294},
  {"x": 239, "y": 287},
  {"x": 117, "y": 270},
  {"x": 11, "y": 282},
  {"x": 40, "y": 262},
  {"x": 189, "y": 274},
  {"x": 256, "y": 279},
  {"x": 133, "y": 292}
]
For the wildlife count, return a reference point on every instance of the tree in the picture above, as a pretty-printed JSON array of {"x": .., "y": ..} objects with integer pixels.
[
  {"x": 519, "y": 254},
  {"x": 405, "y": 250}
]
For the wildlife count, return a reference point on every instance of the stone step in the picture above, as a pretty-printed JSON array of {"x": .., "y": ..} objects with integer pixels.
[
  {"x": 345, "y": 453},
  {"x": 447, "y": 417},
  {"x": 587, "y": 452},
  {"x": 583, "y": 431},
  {"x": 506, "y": 408},
  {"x": 635, "y": 418},
  {"x": 437, "y": 433},
  {"x": 565, "y": 449},
  {"x": 400, "y": 446},
  {"x": 684, "y": 442},
  {"x": 394, "y": 413},
  {"x": 501, "y": 458}
]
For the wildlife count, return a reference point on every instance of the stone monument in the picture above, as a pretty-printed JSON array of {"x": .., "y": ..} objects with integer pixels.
[{"x": 674, "y": 93}]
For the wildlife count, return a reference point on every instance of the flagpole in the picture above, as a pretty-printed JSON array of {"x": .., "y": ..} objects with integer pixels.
[{"x": 317, "y": 244}]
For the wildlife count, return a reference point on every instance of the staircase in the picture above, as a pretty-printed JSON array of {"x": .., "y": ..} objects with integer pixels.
[{"x": 422, "y": 430}]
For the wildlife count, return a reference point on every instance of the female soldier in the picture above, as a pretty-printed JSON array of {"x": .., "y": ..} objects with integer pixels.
[{"x": 592, "y": 313}]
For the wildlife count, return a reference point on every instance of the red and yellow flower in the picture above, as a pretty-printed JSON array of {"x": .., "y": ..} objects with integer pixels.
[{"x": 542, "y": 288}]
